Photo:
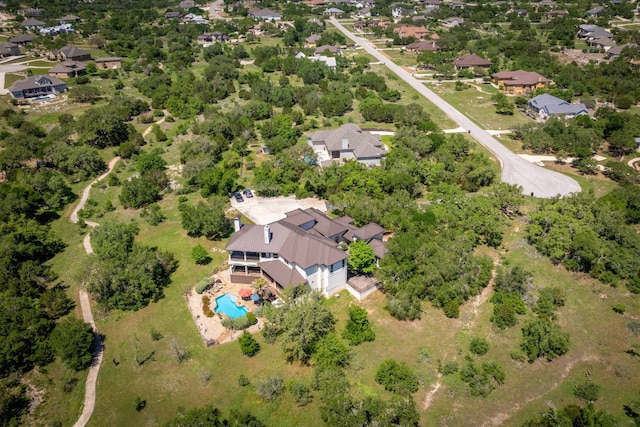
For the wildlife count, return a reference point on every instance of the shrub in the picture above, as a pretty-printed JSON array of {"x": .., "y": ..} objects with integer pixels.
[
  {"x": 479, "y": 346},
  {"x": 153, "y": 215},
  {"x": 452, "y": 309},
  {"x": 587, "y": 391},
  {"x": 243, "y": 381},
  {"x": 397, "y": 377},
  {"x": 251, "y": 318},
  {"x": 478, "y": 379},
  {"x": 358, "y": 329},
  {"x": 270, "y": 387},
  {"x": 155, "y": 334},
  {"x": 200, "y": 255},
  {"x": 248, "y": 345},
  {"x": 236, "y": 324},
  {"x": 448, "y": 368},
  {"x": 204, "y": 284},
  {"x": 72, "y": 340},
  {"x": 619, "y": 308},
  {"x": 301, "y": 393},
  {"x": 541, "y": 337}
]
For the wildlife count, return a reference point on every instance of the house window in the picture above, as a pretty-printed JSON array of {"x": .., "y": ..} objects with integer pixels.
[
  {"x": 265, "y": 255},
  {"x": 331, "y": 268}
]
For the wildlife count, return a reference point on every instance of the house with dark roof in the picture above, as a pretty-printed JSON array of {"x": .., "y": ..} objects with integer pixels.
[
  {"x": 9, "y": 49},
  {"x": 207, "y": 39},
  {"x": 312, "y": 40},
  {"x": 32, "y": 24},
  {"x": 419, "y": 33},
  {"x": 348, "y": 142},
  {"x": 68, "y": 69},
  {"x": 423, "y": 46},
  {"x": 304, "y": 247},
  {"x": 187, "y": 4},
  {"x": 520, "y": 81},
  {"x": 596, "y": 11},
  {"x": 22, "y": 39},
  {"x": 68, "y": 19},
  {"x": 453, "y": 22},
  {"x": 69, "y": 53},
  {"x": 559, "y": 13},
  {"x": 334, "y": 50},
  {"x": 333, "y": 11},
  {"x": 615, "y": 51},
  {"x": 109, "y": 63},
  {"x": 36, "y": 86},
  {"x": 173, "y": 15},
  {"x": 548, "y": 105},
  {"x": 31, "y": 12},
  {"x": 471, "y": 61}
]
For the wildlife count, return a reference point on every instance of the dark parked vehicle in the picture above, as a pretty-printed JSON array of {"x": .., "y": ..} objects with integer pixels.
[{"x": 238, "y": 197}]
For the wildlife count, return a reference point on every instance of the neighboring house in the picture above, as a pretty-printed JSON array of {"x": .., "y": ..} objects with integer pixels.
[
  {"x": 69, "y": 19},
  {"x": 521, "y": 12},
  {"x": 546, "y": 3},
  {"x": 561, "y": 13},
  {"x": 21, "y": 39},
  {"x": 32, "y": 24},
  {"x": 173, "y": 15},
  {"x": 471, "y": 61},
  {"x": 604, "y": 43},
  {"x": 329, "y": 61},
  {"x": 312, "y": 40},
  {"x": 348, "y": 142},
  {"x": 109, "y": 62},
  {"x": 321, "y": 50},
  {"x": 187, "y": 4},
  {"x": 452, "y": 22},
  {"x": 315, "y": 3},
  {"x": 399, "y": 12},
  {"x": 36, "y": 86},
  {"x": 303, "y": 247},
  {"x": 68, "y": 69},
  {"x": 548, "y": 105},
  {"x": 419, "y": 33},
  {"x": 265, "y": 14},
  {"x": 191, "y": 18},
  {"x": 436, "y": 3},
  {"x": 457, "y": 5},
  {"x": 57, "y": 29},
  {"x": 615, "y": 51},
  {"x": 596, "y": 11},
  {"x": 423, "y": 46},
  {"x": 333, "y": 11},
  {"x": 69, "y": 53},
  {"x": 211, "y": 38},
  {"x": 365, "y": 12},
  {"x": 520, "y": 81},
  {"x": 9, "y": 49},
  {"x": 592, "y": 32},
  {"x": 30, "y": 12}
]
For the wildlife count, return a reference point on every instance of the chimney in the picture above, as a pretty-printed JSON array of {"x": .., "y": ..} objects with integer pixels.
[
  {"x": 267, "y": 235},
  {"x": 237, "y": 224},
  {"x": 345, "y": 144}
]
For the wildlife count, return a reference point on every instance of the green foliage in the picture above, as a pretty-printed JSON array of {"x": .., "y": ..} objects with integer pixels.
[
  {"x": 573, "y": 415},
  {"x": 361, "y": 259},
  {"x": 332, "y": 352},
  {"x": 588, "y": 392},
  {"x": 152, "y": 214},
  {"x": 138, "y": 192},
  {"x": 448, "y": 368},
  {"x": 619, "y": 308},
  {"x": 204, "y": 284},
  {"x": 503, "y": 104},
  {"x": 479, "y": 346},
  {"x": 243, "y": 381},
  {"x": 237, "y": 324},
  {"x": 480, "y": 379},
  {"x": 397, "y": 377},
  {"x": 127, "y": 275},
  {"x": 150, "y": 160},
  {"x": 211, "y": 417},
  {"x": 542, "y": 338},
  {"x": 549, "y": 301},
  {"x": 13, "y": 402},
  {"x": 155, "y": 334},
  {"x": 301, "y": 393},
  {"x": 207, "y": 220},
  {"x": 451, "y": 309},
  {"x": 270, "y": 388},
  {"x": 72, "y": 341},
  {"x": 248, "y": 345},
  {"x": 200, "y": 255},
  {"x": 358, "y": 329}
]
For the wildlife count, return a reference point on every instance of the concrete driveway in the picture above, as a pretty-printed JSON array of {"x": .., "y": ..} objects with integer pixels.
[
  {"x": 534, "y": 180},
  {"x": 265, "y": 210}
]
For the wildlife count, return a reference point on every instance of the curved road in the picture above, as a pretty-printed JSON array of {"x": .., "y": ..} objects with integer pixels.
[{"x": 533, "y": 179}]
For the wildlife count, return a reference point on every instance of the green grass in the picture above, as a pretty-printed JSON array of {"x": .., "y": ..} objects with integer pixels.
[{"x": 475, "y": 102}]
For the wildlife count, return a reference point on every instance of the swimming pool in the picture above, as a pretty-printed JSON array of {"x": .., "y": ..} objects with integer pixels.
[{"x": 227, "y": 304}]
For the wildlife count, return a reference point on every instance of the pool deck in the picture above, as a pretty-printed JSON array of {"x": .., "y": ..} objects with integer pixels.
[{"x": 210, "y": 328}]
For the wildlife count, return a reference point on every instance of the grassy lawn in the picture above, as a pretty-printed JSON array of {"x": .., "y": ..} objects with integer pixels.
[{"x": 475, "y": 102}]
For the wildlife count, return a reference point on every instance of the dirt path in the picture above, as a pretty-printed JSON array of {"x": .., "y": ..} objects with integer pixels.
[
  {"x": 85, "y": 303},
  {"x": 500, "y": 418},
  {"x": 633, "y": 162},
  {"x": 429, "y": 397}
]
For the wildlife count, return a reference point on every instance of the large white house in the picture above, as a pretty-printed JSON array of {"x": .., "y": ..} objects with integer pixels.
[{"x": 302, "y": 248}]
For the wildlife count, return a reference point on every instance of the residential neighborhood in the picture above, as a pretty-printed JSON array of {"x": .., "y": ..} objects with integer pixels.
[{"x": 319, "y": 213}]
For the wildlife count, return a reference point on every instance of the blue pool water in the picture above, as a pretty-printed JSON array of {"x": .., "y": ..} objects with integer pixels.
[{"x": 227, "y": 304}]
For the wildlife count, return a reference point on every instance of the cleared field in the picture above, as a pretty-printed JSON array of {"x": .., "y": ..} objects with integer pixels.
[{"x": 476, "y": 103}]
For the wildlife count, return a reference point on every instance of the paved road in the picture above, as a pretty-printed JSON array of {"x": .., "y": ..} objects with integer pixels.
[{"x": 534, "y": 179}]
